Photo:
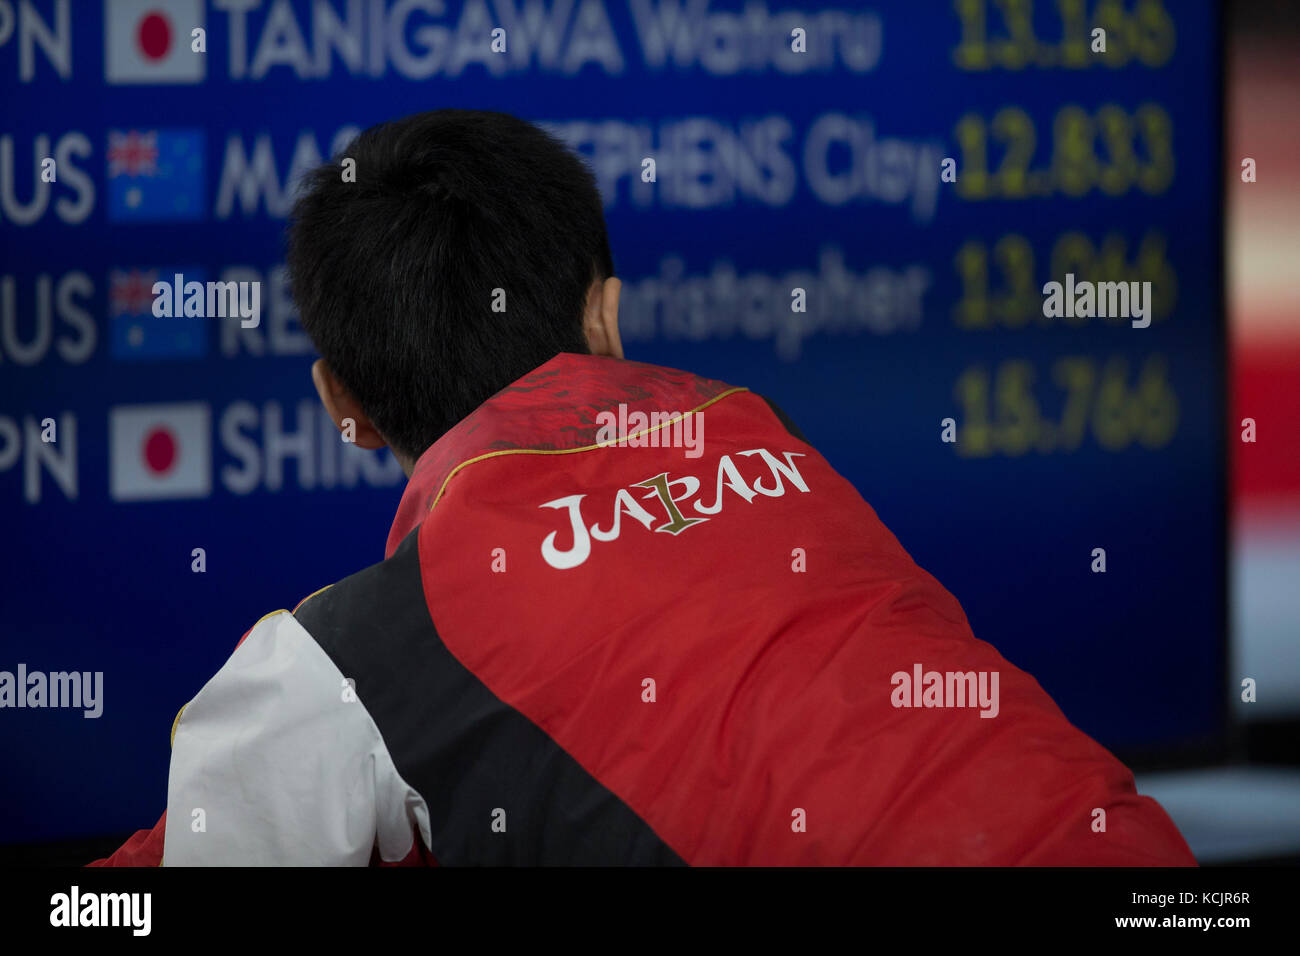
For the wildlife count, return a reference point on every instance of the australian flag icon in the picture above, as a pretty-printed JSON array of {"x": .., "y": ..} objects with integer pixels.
[
  {"x": 138, "y": 334},
  {"x": 156, "y": 175}
]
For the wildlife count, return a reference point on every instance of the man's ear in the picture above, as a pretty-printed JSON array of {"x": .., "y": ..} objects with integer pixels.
[
  {"x": 343, "y": 408},
  {"x": 600, "y": 321}
]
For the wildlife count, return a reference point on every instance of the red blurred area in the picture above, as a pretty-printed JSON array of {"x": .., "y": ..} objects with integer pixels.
[
  {"x": 1266, "y": 387},
  {"x": 1263, "y": 247}
]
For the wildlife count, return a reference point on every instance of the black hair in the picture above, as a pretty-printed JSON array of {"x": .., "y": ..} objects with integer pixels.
[{"x": 393, "y": 274}]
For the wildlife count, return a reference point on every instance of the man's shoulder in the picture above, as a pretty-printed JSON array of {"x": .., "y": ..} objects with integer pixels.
[{"x": 376, "y": 599}]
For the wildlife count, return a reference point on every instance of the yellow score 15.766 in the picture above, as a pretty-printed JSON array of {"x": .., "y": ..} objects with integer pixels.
[{"x": 1001, "y": 413}]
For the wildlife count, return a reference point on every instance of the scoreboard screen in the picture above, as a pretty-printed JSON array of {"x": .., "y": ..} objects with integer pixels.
[{"x": 972, "y": 248}]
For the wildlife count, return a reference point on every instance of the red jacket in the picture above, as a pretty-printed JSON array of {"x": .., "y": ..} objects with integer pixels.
[{"x": 586, "y": 651}]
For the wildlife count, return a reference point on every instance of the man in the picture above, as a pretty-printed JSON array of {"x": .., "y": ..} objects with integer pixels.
[{"x": 604, "y": 632}]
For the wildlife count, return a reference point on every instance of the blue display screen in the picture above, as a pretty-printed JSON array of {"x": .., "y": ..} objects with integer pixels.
[{"x": 918, "y": 170}]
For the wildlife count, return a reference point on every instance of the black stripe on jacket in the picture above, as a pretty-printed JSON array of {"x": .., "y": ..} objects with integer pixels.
[{"x": 463, "y": 749}]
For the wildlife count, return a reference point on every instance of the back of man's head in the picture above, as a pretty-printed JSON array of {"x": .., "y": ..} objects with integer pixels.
[{"x": 395, "y": 274}]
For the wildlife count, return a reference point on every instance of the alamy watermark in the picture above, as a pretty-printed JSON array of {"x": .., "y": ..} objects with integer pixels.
[
  {"x": 56, "y": 689},
  {"x": 1083, "y": 300},
  {"x": 652, "y": 430},
  {"x": 75, "y": 908},
  {"x": 946, "y": 689},
  {"x": 210, "y": 300}
]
